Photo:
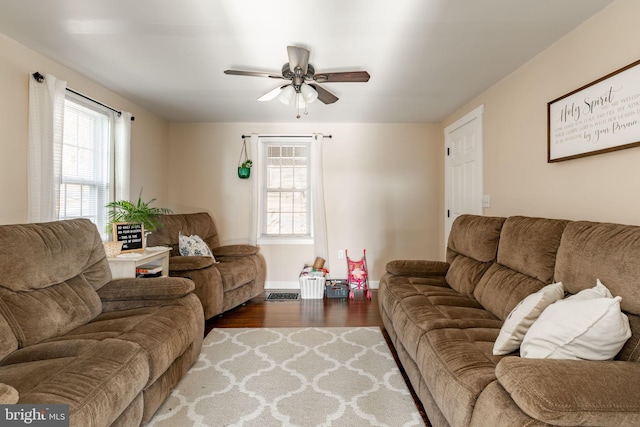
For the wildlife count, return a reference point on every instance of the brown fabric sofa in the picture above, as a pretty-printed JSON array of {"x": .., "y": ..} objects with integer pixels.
[
  {"x": 238, "y": 275},
  {"x": 110, "y": 349},
  {"x": 444, "y": 317}
]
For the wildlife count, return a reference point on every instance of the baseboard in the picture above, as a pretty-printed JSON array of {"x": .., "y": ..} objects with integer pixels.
[{"x": 274, "y": 284}]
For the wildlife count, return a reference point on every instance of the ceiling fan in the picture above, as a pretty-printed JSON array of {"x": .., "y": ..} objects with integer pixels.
[{"x": 304, "y": 87}]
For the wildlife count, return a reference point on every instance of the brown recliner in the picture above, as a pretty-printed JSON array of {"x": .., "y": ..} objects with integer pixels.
[
  {"x": 237, "y": 274},
  {"x": 110, "y": 349}
]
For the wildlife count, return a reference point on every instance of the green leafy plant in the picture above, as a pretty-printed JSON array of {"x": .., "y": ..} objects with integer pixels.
[
  {"x": 247, "y": 164},
  {"x": 138, "y": 212}
]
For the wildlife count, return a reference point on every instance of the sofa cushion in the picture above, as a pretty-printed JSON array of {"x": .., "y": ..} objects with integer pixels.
[
  {"x": 63, "y": 249},
  {"x": 610, "y": 252},
  {"x": 572, "y": 392},
  {"x": 8, "y": 340},
  {"x": 417, "y": 308},
  {"x": 97, "y": 379},
  {"x": 475, "y": 237},
  {"x": 236, "y": 271},
  {"x": 472, "y": 247},
  {"x": 525, "y": 263},
  {"x": 188, "y": 263},
  {"x": 529, "y": 245},
  {"x": 501, "y": 289},
  {"x": 235, "y": 250},
  {"x": 522, "y": 317},
  {"x": 51, "y": 311},
  {"x": 8, "y": 395},
  {"x": 419, "y": 268},
  {"x": 465, "y": 273},
  {"x": 457, "y": 364},
  {"x": 162, "y": 332}
]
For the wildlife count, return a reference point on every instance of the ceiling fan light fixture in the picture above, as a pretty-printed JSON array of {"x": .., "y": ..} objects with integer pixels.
[
  {"x": 309, "y": 93},
  {"x": 287, "y": 95}
]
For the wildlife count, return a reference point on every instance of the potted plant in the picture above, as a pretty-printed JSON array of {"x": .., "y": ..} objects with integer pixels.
[
  {"x": 139, "y": 212},
  {"x": 244, "y": 164}
]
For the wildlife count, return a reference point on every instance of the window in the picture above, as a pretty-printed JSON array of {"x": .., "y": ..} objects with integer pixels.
[
  {"x": 87, "y": 162},
  {"x": 285, "y": 198}
]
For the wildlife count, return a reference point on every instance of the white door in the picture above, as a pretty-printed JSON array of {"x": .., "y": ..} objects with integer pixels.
[{"x": 463, "y": 168}]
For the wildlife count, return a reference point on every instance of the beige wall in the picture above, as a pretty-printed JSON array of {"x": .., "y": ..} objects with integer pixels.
[
  {"x": 517, "y": 176},
  {"x": 384, "y": 182},
  {"x": 149, "y": 134},
  {"x": 383, "y": 190}
]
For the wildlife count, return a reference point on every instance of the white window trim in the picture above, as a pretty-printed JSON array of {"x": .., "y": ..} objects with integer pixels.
[
  {"x": 264, "y": 239},
  {"x": 101, "y": 212}
]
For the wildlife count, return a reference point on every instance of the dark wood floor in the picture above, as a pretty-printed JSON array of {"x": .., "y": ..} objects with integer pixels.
[{"x": 327, "y": 312}]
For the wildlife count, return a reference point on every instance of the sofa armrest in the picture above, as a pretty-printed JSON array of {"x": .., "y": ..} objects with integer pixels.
[
  {"x": 419, "y": 268},
  {"x": 152, "y": 288},
  {"x": 190, "y": 263},
  {"x": 235, "y": 250},
  {"x": 573, "y": 392},
  {"x": 8, "y": 394}
]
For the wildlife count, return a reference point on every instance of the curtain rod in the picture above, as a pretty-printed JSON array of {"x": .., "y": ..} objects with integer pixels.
[
  {"x": 287, "y": 136},
  {"x": 40, "y": 78}
]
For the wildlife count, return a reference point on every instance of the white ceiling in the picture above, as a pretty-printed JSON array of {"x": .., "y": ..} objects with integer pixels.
[{"x": 426, "y": 57}]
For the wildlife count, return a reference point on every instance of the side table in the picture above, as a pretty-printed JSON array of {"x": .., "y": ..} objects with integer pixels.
[{"x": 124, "y": 265}]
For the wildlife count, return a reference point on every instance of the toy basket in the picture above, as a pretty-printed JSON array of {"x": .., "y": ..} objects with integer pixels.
[
  {"x": 112, "y": 249},
  {"x": 312, "y": 287},
  {"x": 337, "y": 288}
]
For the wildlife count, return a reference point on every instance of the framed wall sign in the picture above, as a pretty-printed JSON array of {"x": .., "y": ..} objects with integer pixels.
[
  {"x": 600, "y": 117},
  {"x": 130, "y": 234}
]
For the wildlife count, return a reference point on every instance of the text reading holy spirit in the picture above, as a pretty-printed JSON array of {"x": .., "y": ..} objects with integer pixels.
[{"x": 596, "y": 117}]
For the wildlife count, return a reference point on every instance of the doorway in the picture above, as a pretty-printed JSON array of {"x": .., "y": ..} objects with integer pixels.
[{"x": 463, "y": 168}]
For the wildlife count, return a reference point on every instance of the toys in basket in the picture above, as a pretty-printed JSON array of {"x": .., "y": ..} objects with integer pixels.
[{"x": 312, "y": 280}]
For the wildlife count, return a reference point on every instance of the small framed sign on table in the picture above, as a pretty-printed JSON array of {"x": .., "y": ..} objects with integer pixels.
[
  {"x": 130, "y": 234},
  {"x": 600, "y": 117}
]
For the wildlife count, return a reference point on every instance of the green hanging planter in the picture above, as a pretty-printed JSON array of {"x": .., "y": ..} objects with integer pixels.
[
  {"x": 244, "y": 164},
  {"x": 243, "y": 172}
]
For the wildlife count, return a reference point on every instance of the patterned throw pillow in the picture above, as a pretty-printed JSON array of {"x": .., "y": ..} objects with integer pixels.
[{"x": 193, "y": 246}]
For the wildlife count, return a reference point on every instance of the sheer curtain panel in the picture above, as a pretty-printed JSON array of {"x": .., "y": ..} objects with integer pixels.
[
  {"x": 254, "y": 189},
  {"x": 320, "y": 244},
  {"x": 122, "y": 155},
  {"x": 46, "y": 111}
]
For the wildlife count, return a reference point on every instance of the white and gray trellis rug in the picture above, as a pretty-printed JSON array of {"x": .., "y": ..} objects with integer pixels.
[{"x": 262, "y": 377}]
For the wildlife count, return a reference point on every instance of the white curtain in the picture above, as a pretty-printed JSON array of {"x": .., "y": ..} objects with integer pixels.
[
  {"x": 46, "y": 128},
  {"x": 321, "y": 247},
  {"x": 46, "y": 112},
  {"x": 253, "y": 200},
  {"x": 122, "y": 146}
]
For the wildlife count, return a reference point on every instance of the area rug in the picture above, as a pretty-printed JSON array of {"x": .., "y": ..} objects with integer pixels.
[{"x": 258, "y": 377}]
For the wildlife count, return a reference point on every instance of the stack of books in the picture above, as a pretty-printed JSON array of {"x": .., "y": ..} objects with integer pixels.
[{"x": 148, "y": 270}]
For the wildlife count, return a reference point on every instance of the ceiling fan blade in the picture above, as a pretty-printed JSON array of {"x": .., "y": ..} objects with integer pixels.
[
  {"x": 324, "y": 95},
  {"x": 272, "y": 93},
  {"x": 252, "y": 74},
  {"x": 346, "y": 76},
  {"x": 298, "y": 57}
]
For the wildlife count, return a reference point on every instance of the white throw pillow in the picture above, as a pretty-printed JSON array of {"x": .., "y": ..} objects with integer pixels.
[
  {"x": 591, "y": 329},
  {"x": 522, "y": 317},
  {"x": 598, "y": 291},
  {"x": 193, "y": 246}
]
